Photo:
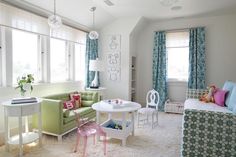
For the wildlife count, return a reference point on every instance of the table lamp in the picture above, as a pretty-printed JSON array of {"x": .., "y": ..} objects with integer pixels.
[{"x": 96, "y": 66}]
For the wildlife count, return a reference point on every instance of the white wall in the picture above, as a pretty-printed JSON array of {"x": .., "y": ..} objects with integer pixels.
[
  {"x": 123, "y": 27},
  {"x": 220, "y": 52}
]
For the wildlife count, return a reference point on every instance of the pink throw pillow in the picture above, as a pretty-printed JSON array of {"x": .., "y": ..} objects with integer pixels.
[
  {"x": 77, "y": 99},
  {"x": 69, "y": 104},
  {"x": 219, "y": 97}
]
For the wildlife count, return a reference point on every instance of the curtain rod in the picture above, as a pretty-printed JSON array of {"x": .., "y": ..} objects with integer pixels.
[
  {"x": 1, "y": 25},
  {"x": 178, "y": 30}
]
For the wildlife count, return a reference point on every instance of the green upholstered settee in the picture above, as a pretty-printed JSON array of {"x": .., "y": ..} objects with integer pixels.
[{"x": 58, "y": 121}]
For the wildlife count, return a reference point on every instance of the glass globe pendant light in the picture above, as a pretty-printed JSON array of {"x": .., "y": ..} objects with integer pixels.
[
  {"x": 54, "y": 21},
  {"x": 93, "y": 34}
]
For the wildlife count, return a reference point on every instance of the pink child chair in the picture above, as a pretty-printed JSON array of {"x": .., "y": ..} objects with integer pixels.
[{"x": 88, "y": 128}]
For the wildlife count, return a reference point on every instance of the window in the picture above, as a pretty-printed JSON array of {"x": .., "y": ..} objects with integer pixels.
[
  {"x": 177, "y": 45},
  {"x": 79, "y": 62},
  {"x": 25, "y": 54},
  {"x": 59, "y": 72}
]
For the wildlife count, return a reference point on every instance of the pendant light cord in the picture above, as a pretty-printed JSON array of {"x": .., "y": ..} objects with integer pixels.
[
  {"x": 93, "y": 19},
  {"x": 54, "y": 7},
  {"x": 93, "y": 10}
]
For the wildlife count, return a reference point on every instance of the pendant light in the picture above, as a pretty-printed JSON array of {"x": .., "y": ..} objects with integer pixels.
[
  {"x": 93, "y": 34},
  {"x": 54, "y": 21}
]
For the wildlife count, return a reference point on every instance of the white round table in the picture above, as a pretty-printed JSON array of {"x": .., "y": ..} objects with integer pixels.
[
  {"x": 20, "y": 110},
  {"x": 127, "y": 125}
]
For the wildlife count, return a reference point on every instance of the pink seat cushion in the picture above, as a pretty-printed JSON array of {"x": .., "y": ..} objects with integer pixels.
[
  {"x": 90, "y": 128},
  {"x": 220, "y": 96}
]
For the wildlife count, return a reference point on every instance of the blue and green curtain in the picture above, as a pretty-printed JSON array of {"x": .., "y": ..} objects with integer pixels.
[
  {"x": 91, "y": 54},
  {"x": 160, "y": 67},
  {"x": 197, "y": 65}
]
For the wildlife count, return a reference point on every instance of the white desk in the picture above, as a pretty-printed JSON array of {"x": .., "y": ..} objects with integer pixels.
[
  {"x": 127, "y": 126},
  {"x": 100, "y": 91},
  {"x": 21, "y": 110}
]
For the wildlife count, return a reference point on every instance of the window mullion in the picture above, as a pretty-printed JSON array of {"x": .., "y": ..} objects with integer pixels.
[
  {"x": 1, "y": 43},
  {"x": 72, "y": 61},
  {"x": 46, "y": 55},
  {"x": 67, "y": 59},
  {"x": 8, "y": 58},
  {"x": 39, "y": 59}
]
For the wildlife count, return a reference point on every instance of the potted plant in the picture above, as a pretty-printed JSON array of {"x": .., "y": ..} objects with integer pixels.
[{"x": 25, "y": 84}]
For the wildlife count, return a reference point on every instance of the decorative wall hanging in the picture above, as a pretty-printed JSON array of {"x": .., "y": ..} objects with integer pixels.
[{"x": 113, "y": 58}]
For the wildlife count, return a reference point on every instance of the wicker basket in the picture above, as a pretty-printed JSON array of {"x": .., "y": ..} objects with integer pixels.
[{"x": 174, "y": 107}]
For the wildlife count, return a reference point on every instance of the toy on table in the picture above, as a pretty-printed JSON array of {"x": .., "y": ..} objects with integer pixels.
[{"x": 209, "y": 96}]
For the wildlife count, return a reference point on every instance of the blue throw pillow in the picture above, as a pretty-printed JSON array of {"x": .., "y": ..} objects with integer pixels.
[
  {"x": 232, "y": 100},
  {"x": 234, "y": 110},
  {"x": 228, "y": 86}
]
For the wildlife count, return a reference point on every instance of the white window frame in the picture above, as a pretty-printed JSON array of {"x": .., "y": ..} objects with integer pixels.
[
  {"x": 39, "y": 56},
  {"x": 176, "y": 79},
  {"x": 79, "y": 44},
  {"x": 66, "y": 60},
  {"x": 1, "y": 56}
]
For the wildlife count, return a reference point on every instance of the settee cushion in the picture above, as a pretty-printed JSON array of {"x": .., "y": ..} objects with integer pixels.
[
  {"x": 229, "y": 85},
  {"x": 87, "y": 103},
  {"x": 232, "y": 100},
  {"x": 199, "y": 105},
  {"x": 68, "y": 119},
  {"x": 66, "y": 113},
  {"x": 83, "y": 111}
]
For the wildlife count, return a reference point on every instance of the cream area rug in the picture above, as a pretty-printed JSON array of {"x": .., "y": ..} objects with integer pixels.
[{"x": 162, "y": 141}]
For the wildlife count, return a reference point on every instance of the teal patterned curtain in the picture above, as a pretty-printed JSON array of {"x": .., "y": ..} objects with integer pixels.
[
  {"x": 91, "y": 54},
  {"x": 197, "y": 65},
  {"x": 159, "y": 67}
]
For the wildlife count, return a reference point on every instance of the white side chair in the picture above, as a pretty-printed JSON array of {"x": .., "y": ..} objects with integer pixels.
[{"x": 151, "y": 109}]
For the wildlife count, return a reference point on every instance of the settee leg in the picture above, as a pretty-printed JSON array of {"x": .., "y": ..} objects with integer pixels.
[{"x": 59, "y": 138}]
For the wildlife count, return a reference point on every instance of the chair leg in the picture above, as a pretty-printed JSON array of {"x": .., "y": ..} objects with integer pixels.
[
  {"x": 157, "y": 118},
  {"x": 152, "y": 120},
  {"x": 105, "y": 144},
  {"x": 77, "y": 143},
  {"x": 94, "y": 141},
  {"x": 85, "y": 145},
  {"x": 138, "y": 119}
]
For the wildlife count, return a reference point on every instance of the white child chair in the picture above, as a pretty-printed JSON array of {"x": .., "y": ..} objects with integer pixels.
[{"x": 151, "y": 109}]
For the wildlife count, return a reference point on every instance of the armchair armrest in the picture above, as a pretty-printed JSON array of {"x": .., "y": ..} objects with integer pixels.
[
  {"x": 52, "y": 116},
  {"x": 195, "y": 93}
]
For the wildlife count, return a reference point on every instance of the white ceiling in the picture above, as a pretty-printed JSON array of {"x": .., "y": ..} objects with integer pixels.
[{"x": 78, "y": 10}]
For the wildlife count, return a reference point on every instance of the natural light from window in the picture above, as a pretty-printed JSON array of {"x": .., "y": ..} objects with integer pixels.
[
  {"x": 59, "y": 71},
  {"x": 79, "y": 62},
  {"x": 25, "y": 52},
  {"x": 177, "y": 45}
]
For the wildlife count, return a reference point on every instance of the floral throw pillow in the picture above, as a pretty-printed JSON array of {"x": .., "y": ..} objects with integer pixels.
[
  {"x": 69, "y": 104},
  {"x": 77, "y": 99}
]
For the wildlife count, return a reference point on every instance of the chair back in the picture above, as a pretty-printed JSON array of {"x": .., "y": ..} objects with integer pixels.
[{"x": 152, "y": 99}]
